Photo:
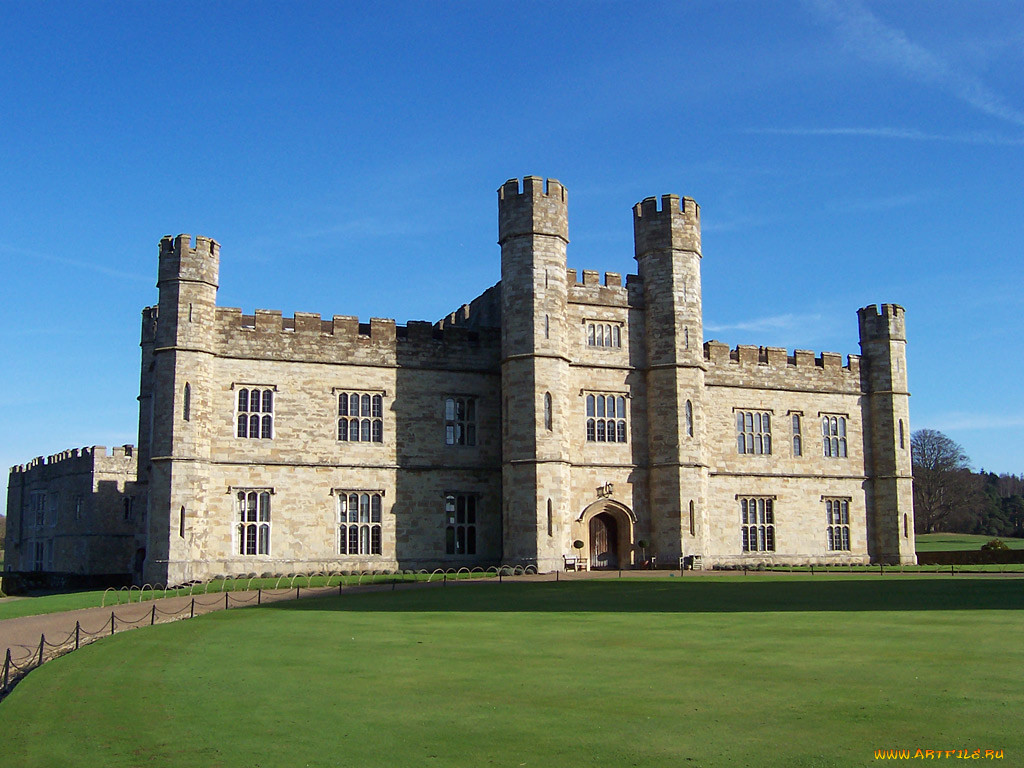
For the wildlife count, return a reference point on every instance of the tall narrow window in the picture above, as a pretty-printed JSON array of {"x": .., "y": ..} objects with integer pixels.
[
  {"x": 798, "y": 444},
  {"x": 837, "y": 518},
  {"x": 547, "y": 327},
  {"x": 547, "y": 411},
  {"x": 186, "y": 404},
  {"x": 254, "y": 522},
  {"x": 757, "y": 524},
  {"x": 460, "y": 421},
  {"x": 460, "y": 529},
  {"x": 692, "y": 521},
  {"x": 181, "y": 523},
  {"x": 686, "y": 338},
  {"x": 833, "y": 431},
  {"x": 689, "y": 419},
  {"x": 906, "y": 526},
  {"x": 359, "y": 523},
  {"x": 551, "y": 520},
  {"x": 901, "y": 434}
]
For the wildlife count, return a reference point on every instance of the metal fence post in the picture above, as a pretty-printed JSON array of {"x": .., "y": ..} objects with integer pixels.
[
  {"x": 42, "y": 642},
  {"x": 78, "y": 633},
  {"x": 259, "y": 596},
  {"x": 225, "y": 601},
  {"x": 152, "y": 617},
  {"x": 297, "y": 592},
  {"x": 111, "y": 622},
  {"x": 192, "y": 609},
  {"x": 7, "y": 669}
]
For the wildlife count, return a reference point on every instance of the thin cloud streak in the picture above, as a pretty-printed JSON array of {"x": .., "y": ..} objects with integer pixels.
[
  {"x": 958, "y": 420},
  {"x": 907, "y": 134},
  {"x": 874, "y": 40},
  {"x": 92, "y": 267},
  {"x": 766, "y": 324}
]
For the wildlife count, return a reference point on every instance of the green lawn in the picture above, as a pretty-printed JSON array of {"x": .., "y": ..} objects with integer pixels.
[
  {"x": 946, "y": 542},
  {"x": 762, "y": 670},
  {"x": 69, "y": 601}
]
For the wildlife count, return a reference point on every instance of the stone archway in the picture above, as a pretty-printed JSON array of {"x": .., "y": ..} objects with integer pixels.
[{"x": 606, "y": 527}]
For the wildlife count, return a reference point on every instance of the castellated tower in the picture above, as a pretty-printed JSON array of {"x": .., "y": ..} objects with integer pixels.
[
  {"x": 668, "y": 250},
  {"x": 533, "y": 231},
  {"x": 890, "y": 503},
  {"x": 177, "y": 445}
]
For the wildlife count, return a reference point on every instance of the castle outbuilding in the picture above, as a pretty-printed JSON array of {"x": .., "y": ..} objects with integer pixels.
[{"x": 558, "y": 414}]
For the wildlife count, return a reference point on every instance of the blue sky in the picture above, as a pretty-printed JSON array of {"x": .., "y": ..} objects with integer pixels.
[{"x": 346, "y": 157}]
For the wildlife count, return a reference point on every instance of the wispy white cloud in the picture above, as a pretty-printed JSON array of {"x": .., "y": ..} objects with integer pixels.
[
  {"x": 955, "y": 420},
  {"x": 874, "y": 40},
  {"x": 768, "y": 324},
  {"x": 91, "y": 266},
  {"x": 906, "y": 134}
]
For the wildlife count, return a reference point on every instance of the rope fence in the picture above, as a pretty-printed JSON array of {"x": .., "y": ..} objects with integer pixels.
[{"x": 22, "y": 659}]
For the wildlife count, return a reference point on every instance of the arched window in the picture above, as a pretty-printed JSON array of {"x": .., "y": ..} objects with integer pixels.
[
  {"x": 798, "y": 447},
  {"x": 833, "y": 430},
  {"x": 689, "y": 419},
  {"x": 256, "y": 413},
  {"x": 610, "y": 422},
  {"x": 360, "y": 417},
  {"x": 254, "y": 522},
  {"x": 547, "y": 411},
  {"x": 359, "y": 523},
  {"x": 186, "y": 406}
]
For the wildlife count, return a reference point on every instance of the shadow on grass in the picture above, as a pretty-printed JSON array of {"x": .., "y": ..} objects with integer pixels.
[{"x": 686, "y": 596}]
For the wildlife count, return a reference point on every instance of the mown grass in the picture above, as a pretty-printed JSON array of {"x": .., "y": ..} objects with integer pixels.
[
  {"x": 70, "y": 601},
  {"x": 947, "y": 542},
  {"x": 757, "y": 671}
]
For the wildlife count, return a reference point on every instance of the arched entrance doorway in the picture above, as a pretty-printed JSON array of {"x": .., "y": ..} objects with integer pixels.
[
  {"x": 606, "y": 526},
  {"x": 604, "y": 541}
]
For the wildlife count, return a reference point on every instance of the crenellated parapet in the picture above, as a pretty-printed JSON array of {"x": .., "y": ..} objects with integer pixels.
[
  {"x": 774, "y": 367},
  {"x": 535, "y": 207},
  {"x": 482, "y": 312},
  {"x": 591, "y": 287},
  {"x": 75, "y": 460},
  {"x": 675, "y": 226},
  {"x": 181, "y": 260},
  {"x": 889, "y": 323},
  {"x": 307, "y": 337}
]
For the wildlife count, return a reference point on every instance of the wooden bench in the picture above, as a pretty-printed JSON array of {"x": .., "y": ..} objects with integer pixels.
[{"x": 574, "y": 563}]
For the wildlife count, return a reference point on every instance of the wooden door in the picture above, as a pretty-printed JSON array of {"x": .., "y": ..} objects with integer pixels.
[{"x": 604, "y": 539}]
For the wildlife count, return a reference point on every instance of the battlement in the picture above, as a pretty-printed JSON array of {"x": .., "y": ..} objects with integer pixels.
[
  {"x": 268, "y": 335},
  {"x": 538, "y": 207},
  {"x": 593, "y": 287},
  {"x": 181, "y": 260},
  {"x": 675, "y": 225},
  {"x": 76, "y": 459},
  {"x": 889, "y": 323},
  {"x": 482, "y": 312},
  {"x": 752, "y": 365}
]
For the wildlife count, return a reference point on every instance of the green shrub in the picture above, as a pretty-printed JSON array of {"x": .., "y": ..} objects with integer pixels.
[{"x": 994, "y": 546}]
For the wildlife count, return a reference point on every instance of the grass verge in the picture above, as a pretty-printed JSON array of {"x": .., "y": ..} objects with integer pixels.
[{"x": 756, "y": 670}]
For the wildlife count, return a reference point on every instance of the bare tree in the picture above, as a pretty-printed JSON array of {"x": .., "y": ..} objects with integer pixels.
[{"x": 947, "y": 494}]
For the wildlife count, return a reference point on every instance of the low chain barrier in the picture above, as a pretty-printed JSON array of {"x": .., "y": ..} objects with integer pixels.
[{"x": 22, "y": 659}]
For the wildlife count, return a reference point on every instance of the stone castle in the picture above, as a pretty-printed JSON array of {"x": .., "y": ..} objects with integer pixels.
[{"x": 550, "y": 417}]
